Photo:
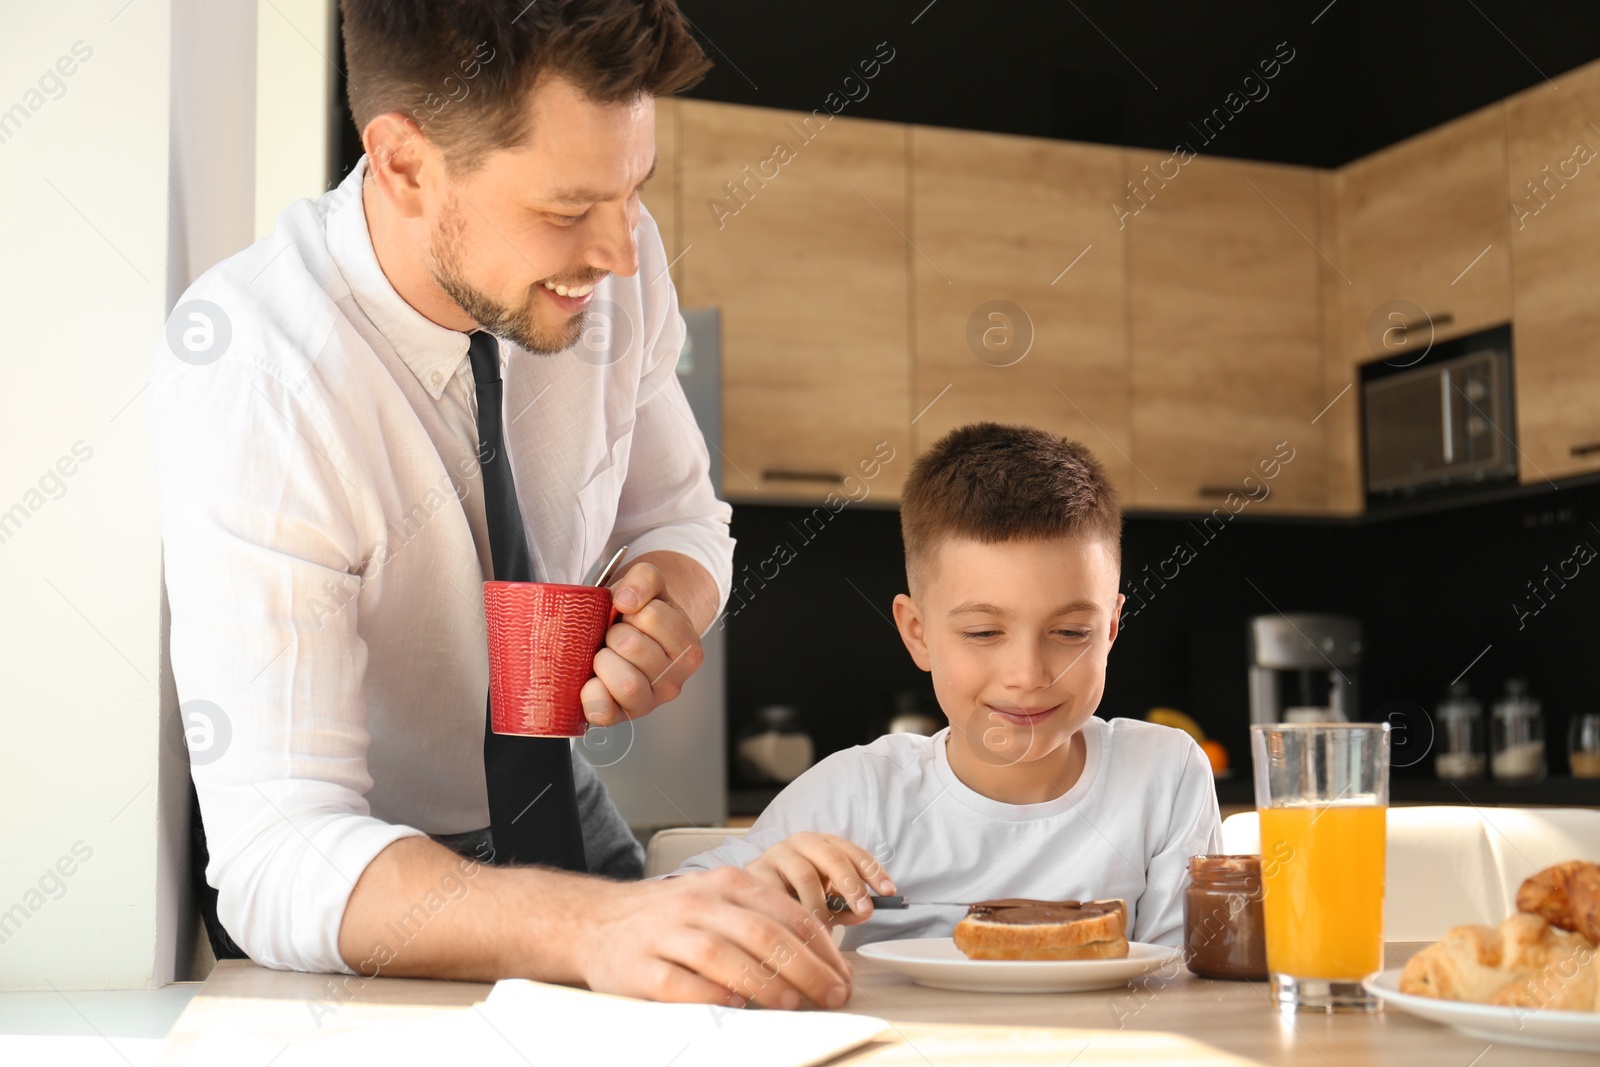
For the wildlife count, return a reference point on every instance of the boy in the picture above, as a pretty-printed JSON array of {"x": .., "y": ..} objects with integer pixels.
[{"x": 1012, "y": 539}]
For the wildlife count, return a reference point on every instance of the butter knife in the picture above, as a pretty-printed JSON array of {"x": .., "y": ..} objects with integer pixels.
[{"x": 838, "y": 903}]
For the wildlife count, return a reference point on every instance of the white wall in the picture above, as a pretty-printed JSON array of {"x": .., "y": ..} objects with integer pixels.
[
  {"x": 211, "y": 215},
  {"x": 97, "y": 243},
  {"x": 83, "y": 285},
  {"x": 298, "y": 69}
]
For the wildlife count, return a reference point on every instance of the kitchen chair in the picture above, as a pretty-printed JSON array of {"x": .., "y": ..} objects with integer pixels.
[
  {"x": 1454, "y": 864},
  {"x": 669, "y": 848}
]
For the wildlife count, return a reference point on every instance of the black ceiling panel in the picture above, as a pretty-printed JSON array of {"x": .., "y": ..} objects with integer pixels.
[{"x": 1359, "y": 74}]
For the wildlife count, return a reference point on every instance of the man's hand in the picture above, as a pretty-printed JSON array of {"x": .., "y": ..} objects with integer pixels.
[
  {"x": 809, "y": 866},
  {"x": 649, "y": 652},
  {"x": 713, "y": 938},
  {"x": 716, "y": 937}
]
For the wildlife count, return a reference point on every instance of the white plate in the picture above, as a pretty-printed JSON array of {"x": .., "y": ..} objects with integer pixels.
[
  {"x": 937, "y": 963},
  {"x": 1576, "y": 1031}
]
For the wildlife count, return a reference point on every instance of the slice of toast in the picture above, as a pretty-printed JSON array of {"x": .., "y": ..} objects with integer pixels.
[{"x": 1018, "y": 929}]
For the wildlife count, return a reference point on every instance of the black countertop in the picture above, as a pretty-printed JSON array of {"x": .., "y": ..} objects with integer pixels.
[
  {"x": 1561, "y": 792},
  {"x": 1240, "y": 790}
]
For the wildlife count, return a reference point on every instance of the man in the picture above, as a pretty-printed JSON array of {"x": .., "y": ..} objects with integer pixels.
[{"x": 394, "y": 397}]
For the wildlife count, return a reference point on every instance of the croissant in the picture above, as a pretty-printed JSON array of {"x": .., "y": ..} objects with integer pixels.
[
  {"x": 1463, "y": 965},
  {"x": 1566, "y": 895},
  {"x": 1524, "y": 963},
  {"x": 1563, "y": 974}
]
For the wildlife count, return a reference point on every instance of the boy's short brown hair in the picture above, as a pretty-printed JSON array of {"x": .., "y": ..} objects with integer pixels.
[{"x": 991, "y": 483}]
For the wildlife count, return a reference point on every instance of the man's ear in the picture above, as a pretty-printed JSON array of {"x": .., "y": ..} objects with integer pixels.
[
  {"x": 396, "y": 155},
  {"x": 1116, "y": 620},
  {"x": 908, "y": 620}
]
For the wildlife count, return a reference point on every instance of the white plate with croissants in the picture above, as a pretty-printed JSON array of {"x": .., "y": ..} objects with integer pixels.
[
  {"x": 1533, "y": 980},
  {"x": 1029, "y": 946}
]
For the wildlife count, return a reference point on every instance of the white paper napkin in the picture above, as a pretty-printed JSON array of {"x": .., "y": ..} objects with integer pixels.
[{"x": 525, "y": 1022}]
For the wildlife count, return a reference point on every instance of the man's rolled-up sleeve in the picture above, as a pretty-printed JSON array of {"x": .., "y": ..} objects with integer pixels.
[{"x": 258, "y": 513}]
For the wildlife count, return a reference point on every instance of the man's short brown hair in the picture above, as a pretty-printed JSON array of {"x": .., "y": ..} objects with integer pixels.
[
  {"x": 991, "y": 483},
  {"x": 463, "y": 69}
]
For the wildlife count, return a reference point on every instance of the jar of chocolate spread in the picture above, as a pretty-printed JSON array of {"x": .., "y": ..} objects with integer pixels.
[{"x": 1225, "y": 936}]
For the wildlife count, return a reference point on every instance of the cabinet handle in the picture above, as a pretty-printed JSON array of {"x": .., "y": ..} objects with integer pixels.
[
  {"x": 1217, "y": 490},
  {"x": 1589, "y": 449},
  {"x": 1444, "y": 318},
  {"x": 803, "y": 476}
]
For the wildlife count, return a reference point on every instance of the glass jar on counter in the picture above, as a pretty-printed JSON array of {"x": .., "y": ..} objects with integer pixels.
[
  {"x": 1518, "y": 735},
  {"x": 1583, "y": 745},
  {"x": 1224, "y": 932},
  {"x": 1459, "y": 751},
  {"x": 773, "y": 747}
]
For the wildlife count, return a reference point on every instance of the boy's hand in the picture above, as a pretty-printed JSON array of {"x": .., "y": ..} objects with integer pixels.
[{"x": 809, "y": 866}]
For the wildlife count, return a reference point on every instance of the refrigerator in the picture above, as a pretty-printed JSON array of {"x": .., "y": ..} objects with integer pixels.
[{"x": 670, "y": 767}]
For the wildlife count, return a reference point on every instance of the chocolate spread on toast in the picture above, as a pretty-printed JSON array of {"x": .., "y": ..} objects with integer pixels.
[{"x": 1016, "y": 910}]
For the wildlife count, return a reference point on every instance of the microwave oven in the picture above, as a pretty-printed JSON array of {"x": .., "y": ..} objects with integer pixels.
[{"x": 1442, "y": 421}]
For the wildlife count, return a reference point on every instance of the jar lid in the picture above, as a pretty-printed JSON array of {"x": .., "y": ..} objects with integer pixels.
[
  {"x": 1466, "y": 709},
  {"x": 1236, "y": 865}
]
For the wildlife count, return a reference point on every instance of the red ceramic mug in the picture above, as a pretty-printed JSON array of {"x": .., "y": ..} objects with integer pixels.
[{"x": 542, "y": 642}]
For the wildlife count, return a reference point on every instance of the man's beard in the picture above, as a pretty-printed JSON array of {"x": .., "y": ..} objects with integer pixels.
[{"x": 517, "y": 325}]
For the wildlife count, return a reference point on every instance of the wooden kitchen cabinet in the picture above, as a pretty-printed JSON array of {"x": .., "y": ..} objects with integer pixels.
[
  {"x": 1553, "y": 182},
  {"x": 1340, "y": 419},
  {"x": 660, "y": 193},
  {"x": 1425, "y": 222},
  {"x": 1225, "y": 337},
  {"x": 797, "y": 230},
  {"x": 1020, "y": 289}
]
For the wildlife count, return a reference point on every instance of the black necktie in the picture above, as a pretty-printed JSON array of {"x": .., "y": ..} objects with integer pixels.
[{"x": 533, "y": 805}]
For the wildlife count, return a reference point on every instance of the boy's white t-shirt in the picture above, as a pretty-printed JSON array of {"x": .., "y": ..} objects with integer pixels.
[{"x": 1144, "y": 804}]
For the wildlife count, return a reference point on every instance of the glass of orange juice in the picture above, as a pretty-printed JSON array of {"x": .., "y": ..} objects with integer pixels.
[{"x": 1322, "y": 791}]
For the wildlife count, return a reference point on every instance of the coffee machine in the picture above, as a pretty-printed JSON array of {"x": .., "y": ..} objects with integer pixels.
[{"x": 1304, "y": 667}]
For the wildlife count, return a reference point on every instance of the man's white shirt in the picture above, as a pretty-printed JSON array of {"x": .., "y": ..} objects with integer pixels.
[{"x": 325, "y": 544}]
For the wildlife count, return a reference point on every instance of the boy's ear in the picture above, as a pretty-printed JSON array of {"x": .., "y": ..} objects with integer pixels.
[{"x": 908, "y": 620}]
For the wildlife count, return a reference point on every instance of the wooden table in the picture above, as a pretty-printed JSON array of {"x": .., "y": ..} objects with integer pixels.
[{"x": 246, "y": 1015}]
